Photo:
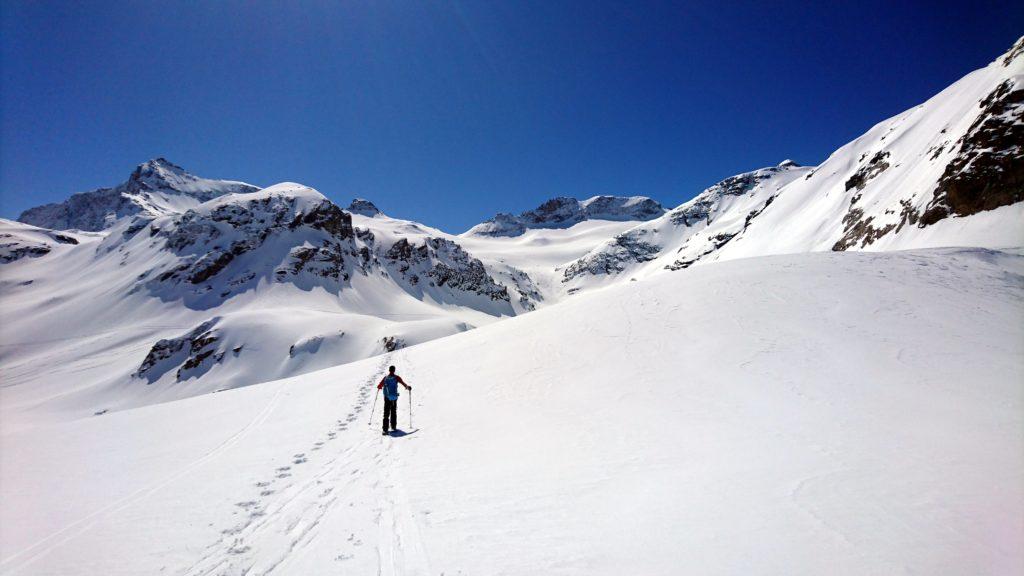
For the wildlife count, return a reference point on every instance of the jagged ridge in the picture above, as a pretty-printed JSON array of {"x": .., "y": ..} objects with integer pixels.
[
  {"x": 154, "y": 188},
  {"x": 563, "y": 212}
]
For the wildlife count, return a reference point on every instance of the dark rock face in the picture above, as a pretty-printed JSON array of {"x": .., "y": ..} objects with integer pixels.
[
  {"x": 192, "y": 354},
  {"x": 694, "y": 212},
  {"x": 317, "y": 237},
  {"x": 624, "y": 249},
  {"x": 13, "y": 248},
  {"x": 328, "y": 217},
  {"x": 391, "y": 343},
  {"x": 865, "y": 173},
  {"x": 64, "y": 239},
  {"x": 617, "y": 208},
  {"x": 443, "y": 263},
  {"x": 1015, "y": 51},
  {"x": 555, "y": 213},
  {"x": 988, "y": 170},
  {"x": 99, "y": 209},
  {"x": 229, "y": 247},
  {"x": 563, "y": 212},
  {"x": 858, "y": 229},
  {"x": 17, "y": 246},
  {"x": 363, "y": 208},
  {"x": 403, "y": 251}
]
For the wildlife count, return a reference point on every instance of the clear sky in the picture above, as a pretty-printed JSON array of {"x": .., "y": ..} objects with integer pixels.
[{"x": 449, "y": 111}]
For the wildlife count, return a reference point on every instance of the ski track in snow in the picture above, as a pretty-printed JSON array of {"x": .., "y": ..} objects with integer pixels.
[
  {"x": 400, "y": 549},
  {"x": 285, "y": 510},
  {"x": 779, "y": 444},
  {"x": 296, "y": 509}
]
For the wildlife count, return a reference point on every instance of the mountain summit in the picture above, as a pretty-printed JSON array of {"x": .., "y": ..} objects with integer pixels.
[
  {"x": 155, "y": 188},
  {"x": 363, "y": 207}
]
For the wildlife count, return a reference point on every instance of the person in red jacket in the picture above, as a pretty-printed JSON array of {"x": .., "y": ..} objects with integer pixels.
[{"x": 390, "y": 386}]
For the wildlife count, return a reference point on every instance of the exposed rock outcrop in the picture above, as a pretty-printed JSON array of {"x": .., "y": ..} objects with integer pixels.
[
  {"x": 563, "y": 212},
  {"x": 988, "y": 170},
  {"x": 443, "y": 263},
  {"x": 363, "y": 208},
  {"x": 192, "y": 354}
]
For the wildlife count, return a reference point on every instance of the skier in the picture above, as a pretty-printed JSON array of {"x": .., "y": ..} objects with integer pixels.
[{"x": 390, "y": 385}]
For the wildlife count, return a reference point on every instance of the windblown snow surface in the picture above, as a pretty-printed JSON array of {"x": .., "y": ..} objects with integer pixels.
[{"x": 826, "y": 413}]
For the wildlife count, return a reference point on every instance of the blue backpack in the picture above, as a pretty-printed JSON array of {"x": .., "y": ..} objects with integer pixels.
[{"x": 391, "y": 387}]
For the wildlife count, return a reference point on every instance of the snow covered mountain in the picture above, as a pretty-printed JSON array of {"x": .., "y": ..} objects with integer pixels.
[
  {"x": 949, "y": 172},
  {"x": 155, "y": 188},
  {"x": 210, "y": 285},
  {"x": 565, "y": 212},
  {"x": 244, "y": 288},
  {"x": 821, "y": 358}
]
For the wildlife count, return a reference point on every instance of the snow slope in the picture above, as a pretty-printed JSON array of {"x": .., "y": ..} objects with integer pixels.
[
  {"x": 839, "y": 413},
  {"x": 949, "y": 172}
]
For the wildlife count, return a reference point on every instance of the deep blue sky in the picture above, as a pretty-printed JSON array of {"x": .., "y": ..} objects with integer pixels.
[{"x": 447, "y": 112}]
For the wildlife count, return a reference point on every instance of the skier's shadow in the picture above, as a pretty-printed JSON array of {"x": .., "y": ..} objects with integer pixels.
[{"x": 400, "y": 433}]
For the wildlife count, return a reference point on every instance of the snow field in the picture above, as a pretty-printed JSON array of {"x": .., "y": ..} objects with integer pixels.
[{"x": 806, "y": 414}]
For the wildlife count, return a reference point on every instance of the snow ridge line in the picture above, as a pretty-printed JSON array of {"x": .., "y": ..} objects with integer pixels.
[{"x": 78, "y": 527}]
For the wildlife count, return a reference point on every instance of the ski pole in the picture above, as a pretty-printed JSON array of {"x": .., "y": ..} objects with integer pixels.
[
  {"x": 372, "y": 410},
  {"x": 410, "y": 408}
]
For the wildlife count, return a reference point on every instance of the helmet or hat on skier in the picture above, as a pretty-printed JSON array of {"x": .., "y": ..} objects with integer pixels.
[{"x": 391, "y": 369}]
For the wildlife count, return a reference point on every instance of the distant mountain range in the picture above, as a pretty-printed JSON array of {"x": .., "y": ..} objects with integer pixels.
[
  {"x": 563, "y": 212},
  {"x": 201, "y": 284}
]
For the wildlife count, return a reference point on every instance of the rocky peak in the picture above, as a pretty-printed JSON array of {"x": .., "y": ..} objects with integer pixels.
[
  {"x": 363, "y": 207},
  {"x": 158, "y": 173},
  {"x": 284, "y": 233},
  {"x": 621, "y": 208},
  {"x": 440, "y": 263},
  {"x": 563, "y": 212},
  {"x": 1014, "y": 52},
  {"x": 155, "y": 188},
  {"x": 555, "y": 213}
]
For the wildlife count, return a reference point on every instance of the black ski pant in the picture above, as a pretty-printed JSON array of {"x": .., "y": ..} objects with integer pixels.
[{"x": 390, "y": 411}]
